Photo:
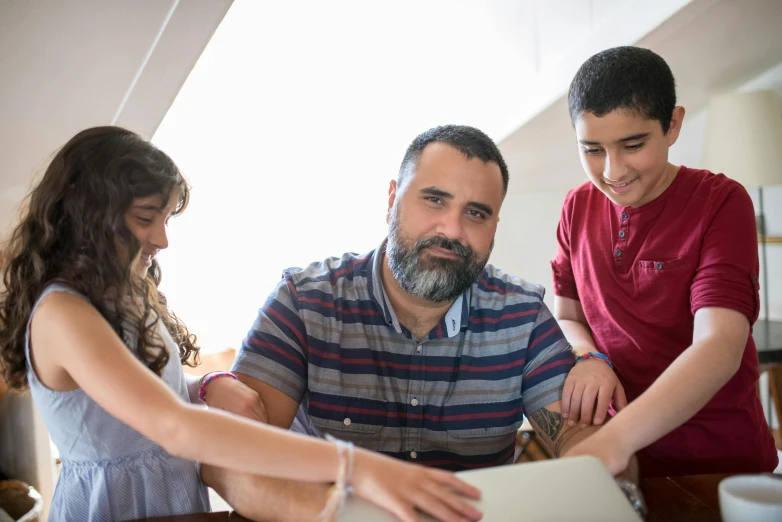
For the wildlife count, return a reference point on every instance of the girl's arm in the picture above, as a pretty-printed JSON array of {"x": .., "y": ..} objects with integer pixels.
[{"x": 68, "y": 332}]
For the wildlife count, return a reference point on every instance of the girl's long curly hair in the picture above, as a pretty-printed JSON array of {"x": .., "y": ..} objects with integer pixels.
[{"x": 72, "y": 229}]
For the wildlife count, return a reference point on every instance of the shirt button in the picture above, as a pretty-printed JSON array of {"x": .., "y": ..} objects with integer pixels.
[
  {"x": 624, "y": 216},
  {"x": 413, "y": 455},
  {"x": 418, "y": 348},
  {"x": 414, "y": 402},
  {"x": 618, "y": 253},
  {"x": 622, "y": 233},
  {"x": 658, "y": 265},
  {"x": 346, "y": 422}
]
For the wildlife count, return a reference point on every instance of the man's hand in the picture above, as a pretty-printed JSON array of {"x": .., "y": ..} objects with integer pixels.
[
  {"x": 588, "y": 382},
  {"x": 236, "y": 397}
]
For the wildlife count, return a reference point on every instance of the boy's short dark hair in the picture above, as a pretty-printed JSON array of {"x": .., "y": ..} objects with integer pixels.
[{"x": 629, "y": 78}]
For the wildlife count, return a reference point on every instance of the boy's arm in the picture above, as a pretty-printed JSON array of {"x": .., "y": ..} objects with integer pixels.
[
  {"x": 560, "y": 438},
  {"x": 695, "y": 376},
  {"x": 592, "y": 384},
  {"x": 570, "y": 316},
  {"x": 718, "y": 345}
]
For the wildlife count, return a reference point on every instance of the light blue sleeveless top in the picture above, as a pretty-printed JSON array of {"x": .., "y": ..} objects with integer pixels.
[{"x": 110, "y": 472}]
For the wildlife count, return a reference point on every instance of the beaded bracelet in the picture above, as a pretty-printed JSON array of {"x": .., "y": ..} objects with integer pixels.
[
  {"x": 341, "y": 487},
  {"x": 209, "y": 377},
  {"x": 594, "y": 355}
]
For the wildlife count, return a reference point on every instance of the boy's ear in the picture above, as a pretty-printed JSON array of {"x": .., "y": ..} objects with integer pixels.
[{"x": 676, "y": 125}]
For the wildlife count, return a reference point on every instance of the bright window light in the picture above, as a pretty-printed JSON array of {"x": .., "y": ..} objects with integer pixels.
[{"x": 294, "y": 121}]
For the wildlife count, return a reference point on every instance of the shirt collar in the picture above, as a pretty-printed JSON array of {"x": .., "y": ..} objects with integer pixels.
[{"x": 455, "y": 319}]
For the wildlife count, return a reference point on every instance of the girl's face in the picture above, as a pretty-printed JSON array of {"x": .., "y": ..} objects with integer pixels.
[{"x": 147, "y": 219}]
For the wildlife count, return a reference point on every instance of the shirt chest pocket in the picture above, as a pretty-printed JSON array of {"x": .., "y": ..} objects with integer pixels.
[
  {"x": 662, "y": 286},
  {"x": 354, "y": 419},
  {"x": 348, "y": 406},
  {"x": 483, "y": 419}
]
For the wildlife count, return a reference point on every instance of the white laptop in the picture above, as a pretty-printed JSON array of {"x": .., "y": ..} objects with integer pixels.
[{"x": 577, "y": 488}]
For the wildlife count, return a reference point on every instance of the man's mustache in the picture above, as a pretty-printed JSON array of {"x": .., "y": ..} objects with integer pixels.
[{"x": 464, "y": 252}]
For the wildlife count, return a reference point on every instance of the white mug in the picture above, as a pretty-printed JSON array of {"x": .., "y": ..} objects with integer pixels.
[{"x": 751, "y": 498}]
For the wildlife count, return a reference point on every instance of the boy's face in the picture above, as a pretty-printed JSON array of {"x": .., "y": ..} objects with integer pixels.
[{"x": 626, "y": 155}]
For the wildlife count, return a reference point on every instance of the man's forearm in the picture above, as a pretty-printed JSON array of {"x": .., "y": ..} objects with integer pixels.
[
  {"x": 560, "y": 437},
  {"x": 578, "y": 335},
  {"x": 264, "y": 499}
]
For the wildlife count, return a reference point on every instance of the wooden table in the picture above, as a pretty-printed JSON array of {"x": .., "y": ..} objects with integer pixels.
[{"x": 673, "y": 499}]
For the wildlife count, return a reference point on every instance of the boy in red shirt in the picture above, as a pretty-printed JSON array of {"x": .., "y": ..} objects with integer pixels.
[{"x": 657, "y": 271}]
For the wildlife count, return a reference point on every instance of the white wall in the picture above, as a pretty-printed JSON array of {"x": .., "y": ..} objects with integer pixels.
[
  {"x": 65, "y": 66},
  {"x": 687, "y": 151}
]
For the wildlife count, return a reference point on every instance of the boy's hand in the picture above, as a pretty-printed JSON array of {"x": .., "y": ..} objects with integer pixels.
[
  {"x": 588, "y": 382},
  {"x": 609, "y": 449}
]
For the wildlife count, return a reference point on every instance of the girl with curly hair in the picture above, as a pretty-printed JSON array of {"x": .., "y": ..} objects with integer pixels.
[{"x": 84, "y": 327}]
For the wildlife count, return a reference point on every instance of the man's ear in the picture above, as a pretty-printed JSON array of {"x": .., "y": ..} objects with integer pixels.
[{"x": 391, "y": 198}]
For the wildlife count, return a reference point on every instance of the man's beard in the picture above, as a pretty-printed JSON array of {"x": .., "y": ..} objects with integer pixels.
[{"x": 433, "y": 278}]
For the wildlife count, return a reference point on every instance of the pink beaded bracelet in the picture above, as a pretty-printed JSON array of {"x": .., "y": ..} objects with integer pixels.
[{"x": 209, "y": 377}]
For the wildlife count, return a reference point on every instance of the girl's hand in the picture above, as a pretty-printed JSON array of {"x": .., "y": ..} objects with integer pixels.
[{"x": 401, "y": 488}]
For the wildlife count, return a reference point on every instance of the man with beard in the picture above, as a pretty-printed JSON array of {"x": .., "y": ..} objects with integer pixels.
[{"x": 418, "y": 349}]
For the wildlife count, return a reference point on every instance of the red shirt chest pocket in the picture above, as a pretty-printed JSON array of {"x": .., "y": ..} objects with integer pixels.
[{"x": 662, "y": 285}]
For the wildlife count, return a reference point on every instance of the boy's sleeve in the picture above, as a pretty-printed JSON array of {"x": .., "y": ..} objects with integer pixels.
[
  {"x": 561, "y": 268},
  {"x": 727, "y": 273}
]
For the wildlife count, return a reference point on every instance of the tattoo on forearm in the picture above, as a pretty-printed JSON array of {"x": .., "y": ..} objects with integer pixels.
[
  {"x": 554, "y": 430},
  {"x": 548, "y": 421},
  {"x": 566, "y": 436}
]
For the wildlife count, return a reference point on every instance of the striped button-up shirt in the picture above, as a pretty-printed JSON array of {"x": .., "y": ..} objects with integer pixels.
[{"x": 328, "y": 338}]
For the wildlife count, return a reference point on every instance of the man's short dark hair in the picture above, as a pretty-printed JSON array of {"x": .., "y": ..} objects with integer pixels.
[
  {"x": 468, "y": 140},
  {"x": 629, "y": 78}
]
